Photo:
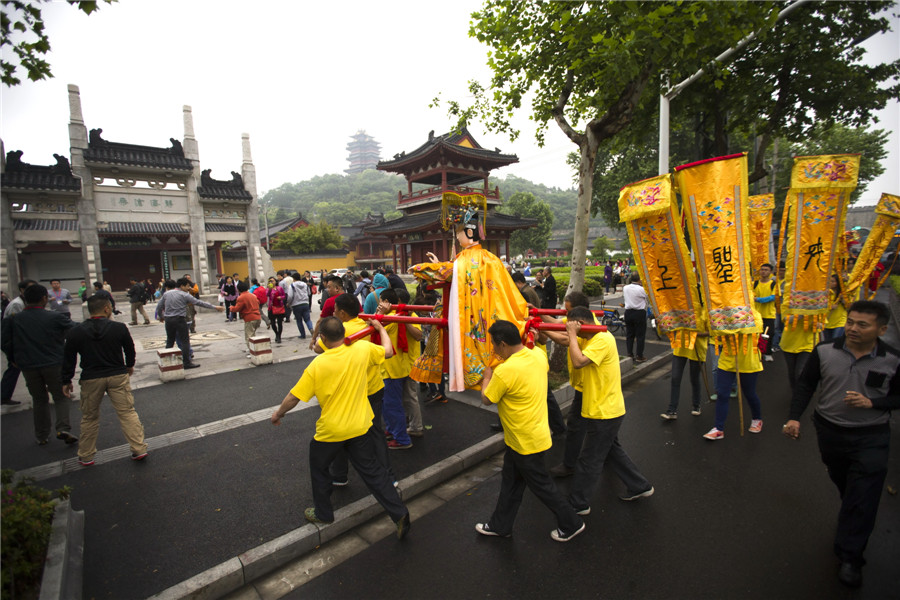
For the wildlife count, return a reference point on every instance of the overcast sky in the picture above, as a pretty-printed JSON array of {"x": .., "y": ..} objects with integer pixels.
[{"x": 299, "y": 77}]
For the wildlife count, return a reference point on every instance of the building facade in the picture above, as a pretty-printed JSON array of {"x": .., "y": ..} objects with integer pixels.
[{"x": 116, "y": 210}]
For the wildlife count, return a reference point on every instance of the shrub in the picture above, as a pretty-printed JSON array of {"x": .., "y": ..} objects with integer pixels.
[
  {"x": 895, "y": 283},
  {"x": 592, "y": 287},
  {"x": 27, "y": 514}
]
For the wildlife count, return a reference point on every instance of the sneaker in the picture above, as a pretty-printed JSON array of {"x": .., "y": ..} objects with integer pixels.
[
  {"x": 768, "y": 358},
  {"x": 339, "y": 483},
  {"x": 561, "y": 470},
  {"x": 695, "y": 411},
  {"x": 395, "y": 445},
  {"x": 9, "y": 402},
  {"x": 669, "y": 416},
  {"x": 714, "y": 434},
  {"x": 66, "y": 437},
  {"x": 559, "y": 536},
  {"x": 734, "y": 393},
  {"x": 403, "y": 526},
  {"x": 639, "y": 359},
  {"x": 192, "y": 365},
  {"x": 310, "y": 515},
  {"x": 755, "y": 426},
  {"x": 583, "y": 512},
  {"x": 644, "y": 494},
  {"x": 714, "y": 397},
  {"x": 85, "y": 462},
  {"x": 41, "y": 441},
  {"x": 484, "y": 529},
  {"x": 416, "y": 432},
  {"x": 136, "y": 456}
]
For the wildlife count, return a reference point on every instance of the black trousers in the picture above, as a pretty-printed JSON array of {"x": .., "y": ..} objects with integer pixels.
[
  {"x": 340, "y": 468},
  {"x": 361, "y": 450},
  {"x": 177, "y": 329},
  {"x": 635, "y": 330},
  {"x": 857, "y": 461},
  {"x": 519, "y": 471},
  {"x": 557, "y": 422},
  {"x": 574, "y": 432},
  {"x": 9, "y": 381}
]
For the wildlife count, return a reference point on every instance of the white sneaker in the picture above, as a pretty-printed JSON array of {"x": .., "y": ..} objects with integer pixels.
[
  {"x": 755, "y": 426},
  {"x": 714, "y": 434},
  {"x": 768, "y": 358}
]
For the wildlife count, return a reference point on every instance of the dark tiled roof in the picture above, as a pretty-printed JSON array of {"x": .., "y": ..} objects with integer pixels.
[
  {"x": 232, "y": 189},
  {"x": 448, "y": 144},
  {"x": 45, "y": 224},
  {"x": 220, "y": 227},
  {"x": 432, "y": 219},
  {"x": 23, "y": 176},
  {"x": 121, "y": 227},
  {"x": 101, "y": 151}
]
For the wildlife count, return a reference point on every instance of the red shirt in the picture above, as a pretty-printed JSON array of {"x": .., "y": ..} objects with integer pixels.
[
  {"x": 328, "y": 307},
  {"x": 248, "y": 306},
  {"x": 261, "y": 295}
]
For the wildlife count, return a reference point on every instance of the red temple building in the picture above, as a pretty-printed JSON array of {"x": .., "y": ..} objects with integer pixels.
[{"x": 452, "y": 162}]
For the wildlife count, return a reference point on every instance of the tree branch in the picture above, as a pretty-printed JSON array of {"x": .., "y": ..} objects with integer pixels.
[{"x": 558, "y": 110}]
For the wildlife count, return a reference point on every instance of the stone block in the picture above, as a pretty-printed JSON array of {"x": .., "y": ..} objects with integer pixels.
[
  {"x": 171, "y": 367},
  {"x": 260, "y": 350}
]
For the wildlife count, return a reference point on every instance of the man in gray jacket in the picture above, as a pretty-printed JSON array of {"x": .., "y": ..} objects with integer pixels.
[
  {"x": 33, "y": 340},
  {"x": 856, "y": 382}
]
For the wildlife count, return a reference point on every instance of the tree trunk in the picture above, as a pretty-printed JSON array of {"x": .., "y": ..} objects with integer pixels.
[
  {"x": 588, "y": 151},
  {"x": 558, "y": 359}
]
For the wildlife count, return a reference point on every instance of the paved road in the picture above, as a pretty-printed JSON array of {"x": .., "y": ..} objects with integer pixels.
[{"x": 746, "y": 517}]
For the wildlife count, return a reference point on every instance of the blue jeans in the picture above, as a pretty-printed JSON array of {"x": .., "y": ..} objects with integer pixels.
[
  {"x": 392, "y": 410},
  {"x": 832, "y": 334},
  {"x": 301, "y": 315},
  {"x": 724, "y": 382}
]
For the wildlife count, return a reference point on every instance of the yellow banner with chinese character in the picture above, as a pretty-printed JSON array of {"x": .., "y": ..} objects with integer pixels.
[
  {"x": 714, "y": 196},
  {"x": 881, "y": 234},
  {"x": 761, "y": 208},
  {"x": 661, "y": 256},
  {"x": 817, "y": 204}
]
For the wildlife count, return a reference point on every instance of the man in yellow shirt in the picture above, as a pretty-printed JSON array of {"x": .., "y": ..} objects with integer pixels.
[
  {"x": 602, "y": 412},
  {"x": 395, "y": 372},
  {"x": 338, "y": 379},
  {"x": 797, "y": 342},
  {"x": 346, "y": 308},
  {"x": 764, "y": 301},
  {"x": 518, "y": 387}
]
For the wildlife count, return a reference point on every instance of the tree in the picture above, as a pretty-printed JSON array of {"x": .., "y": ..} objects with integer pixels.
[
  {"x": 524, "y": 204},
  {"x": 595, "y": 65},
  {"x": 306, "y": 240},
  {"x": 20, "y": 23},
  {"x": 602, "y": 246}
]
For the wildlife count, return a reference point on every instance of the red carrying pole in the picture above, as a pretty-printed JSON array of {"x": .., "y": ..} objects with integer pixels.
[{"x": 557, "y": 312}]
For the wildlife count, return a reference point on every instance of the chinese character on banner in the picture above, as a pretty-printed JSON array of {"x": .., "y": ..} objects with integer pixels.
[
  {"x": 662, "y": 276},
  {"x": 723, "y": 264}
]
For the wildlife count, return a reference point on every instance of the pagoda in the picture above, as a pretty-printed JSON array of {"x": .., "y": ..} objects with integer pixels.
[
  {"x": 365, "y": 153},
  {"x": 453, "y": 162}
]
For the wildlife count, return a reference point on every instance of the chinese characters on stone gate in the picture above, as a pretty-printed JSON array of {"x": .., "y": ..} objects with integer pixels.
[
  {"x": 139, "y": 202},
  {"x": 724, "y": 267}
]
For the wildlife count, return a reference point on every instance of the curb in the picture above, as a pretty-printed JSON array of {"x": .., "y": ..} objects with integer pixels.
[
  {"x": 62, "y": 578},
  {"x": 235, "y": 573}
]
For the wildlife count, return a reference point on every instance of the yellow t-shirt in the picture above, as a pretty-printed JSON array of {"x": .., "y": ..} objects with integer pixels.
[
  {"x": 519, "y": 389},
  {"x": 575, "y": 375},
  {"x": 336, "y": 379},
  {"x": 697, "y": 353},
  {"x": 798, "y": 340},
  {"x": 396, "y": 367},
  {"x": 374, "y": 372},
  {"x": 602, "y": 396},
  {"x": 748, "y": 362},
  {"x": 761, "y": 290},
  {"x": 415, "y": 349},
  {"x": 837, "y": 316}
]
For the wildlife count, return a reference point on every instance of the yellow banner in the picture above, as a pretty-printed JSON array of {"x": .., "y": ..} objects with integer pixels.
[
  {"x": 881, "y": 234},
  {"x": 825, "y": 171},
  {"x": 714, "y": 195},
  {"x": 761, "y": 208},
  {"x": 817, "y": 204},
  {"x": 661, "y": 256}
]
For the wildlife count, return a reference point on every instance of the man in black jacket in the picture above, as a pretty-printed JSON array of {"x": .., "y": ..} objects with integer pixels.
[
  {"x": 136, "y": 296},
  {"x": 107, "y": 363},
  {"x": 549, "y": 288},
  {"x": 33, "y": 340}
]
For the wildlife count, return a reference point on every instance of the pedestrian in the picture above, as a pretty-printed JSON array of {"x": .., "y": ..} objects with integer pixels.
[
  {"x": 548, "y": 285},
  {"x": 764, "y": 290},
  {"x": 82, "y": 291},
  {"x": 363, "y": 287},
  {"x": 379, "y": 283},
  {"x": 100, "y": 290},
  {"x": 229, "y": 296},
  {"x": 636, "y": 303},
  {"x": 60, "y": 298},
  {"x": 411, "y": 405},
  {"x": 337, "y": 378},
  {"x": 797, "y": 342},
  {"x": 247, "y": 306},
  {"x": 333, "y": 286},
  {"x": 298, "y": 299},
  {"x": 837, "y": 314},
  {"x": 855, "y": 381},
  {"x": 608, "y": 276},
  {"x": 517, "y": 386},
  {"x": 737, "y": 363},
  {"x": 11, "y": 374},
  {"x": 285, "y": 281},
  {"x": 262, "y": 297},
  {"x": 394, "y": 279},
  {"x": 107, "y": 287},
  {"x": 191, "y": 313},
  {"x": 602, "y": 411},
  {"x": 682, "y": 357},
  {"x": 136, "y": 298},
  {"x": 172, "y": 309},
  {"x": 33, "y": 341},
  {"x": 107, "y": 364},
  {"x": 395, "y": 372},
  {"x": 276, "y": 302}
]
